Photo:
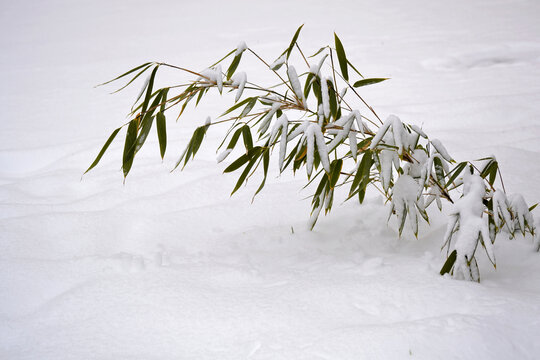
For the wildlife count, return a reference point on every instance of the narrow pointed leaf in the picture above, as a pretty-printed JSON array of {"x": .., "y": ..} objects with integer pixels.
[
  {"x": 129, "y": 147},
  {"x": 237, "y": 105},
  {"x": 342, "y": 58},
  {"x": 126, "y": 73},
  {"x": 370, "y": 81},
  {"x": 103, "y": 149},
  {"x": 449, "y": 263},
  {"x": 351, "y": 65},
  {"x": 149, "y": 90},
  {"x": 293, "y": 41},
  {"x": 246, "y": 135},
  {"x": 234, "y": 65},
  {"x": 456, "y": 171},
  {"x": 161, "y": 126},
  {"x": 266, "y": 163},
  {"x": 132, "y": 79},
  {"x": 237, "y": 163}
]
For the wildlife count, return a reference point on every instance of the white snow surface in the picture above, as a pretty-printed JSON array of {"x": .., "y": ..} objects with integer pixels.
[{"x": 169, "y": 266}]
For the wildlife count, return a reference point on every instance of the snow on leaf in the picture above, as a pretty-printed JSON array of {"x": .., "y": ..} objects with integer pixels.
[
  {"x": 419, "y": 131},
  {"x": 500, "y": 210},
  {"x": 279, "y": 62},
  {"x": 265, "y": 123},
  {"x": 295, "y": 83},
  {"x": 281, "y": 123},
  {"x": 239, "y": 80},
  {"x": 325, "y": 99},
  {"x": 223, "y": 155},
  {"x": 314, "y": 136},
  {"x": 441, "y": 150},
  {"x": 240, "y": 48}
]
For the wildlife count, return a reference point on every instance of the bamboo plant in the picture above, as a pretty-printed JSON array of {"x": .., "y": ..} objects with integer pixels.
[{"x": 317, "y": 119}]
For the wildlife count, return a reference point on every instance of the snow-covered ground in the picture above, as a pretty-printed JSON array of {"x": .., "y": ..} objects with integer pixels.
[{"x": 168, "y": 266}]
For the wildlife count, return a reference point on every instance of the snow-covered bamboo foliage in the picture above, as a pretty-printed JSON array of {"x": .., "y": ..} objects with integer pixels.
[{"x": 317, "y": 119}]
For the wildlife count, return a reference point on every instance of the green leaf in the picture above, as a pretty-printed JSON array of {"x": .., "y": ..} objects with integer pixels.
[
  {"x": 293, "y": 41},
  {"x": 342, "y": 58},
  {"x": 266, "y": 162},
  {"x": 132, "y": 79},
  {"x": 490, "y": 170},
  {"x": 235, "y": 138},
  {"x": 234, "y": 65},
  {"x": 320, "y": 188},
  {"x": 361, "y": 178},
  {"x": 530, "y": 209},
  {"x": 237, "y": 105},
  {"x": 193, "y": 146},
  {"x": 455, "y": 172},
  {"x": 246, "y": 135},
  {"x": 370, "y": 81},
  {"x": 332, "y": 99},
  {"x": 161, "y": 126},
  {"x": 223, "y": 58},
  {"x": 244, "y": 175},
  {"x": 351, "y": 65},
  {"x": 201, "y": 94},
  {"x": 248, "y": 107},
  {"x": 164, "y": 93},
  {"x": 439, "y": 170},
  {"x": 237, "y": 163},
  {"x": 318, "y": 52},
  {"x": 149, "y": 90},
  {"x": 449, "y": 263},
  {"x": 103, "y": 149},
  {"x": 335, "y": 172},
  {"x": 307, "y": 86},
  {"x": 146, "y": 123},
  {"x": 126, "y": 73},
  {"x": 129, "y": 147}
]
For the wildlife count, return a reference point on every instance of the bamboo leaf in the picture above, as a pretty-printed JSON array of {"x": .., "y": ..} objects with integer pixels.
[
  {"x": 342, "y": 58},
  {"x": 332, "y": 99},
  {"x": 237, "y": 163},
  {"x": 307, "y": 86},
  {"x": 370, "y": 81},
  {"x": 132, "y": 79},
  {"x": 237, "y": 105},
  {"x": 146, "y": 123},
  {"x": 149, "y": 90},
  {"x": 318, "y": 52},
  {"x": 201, "y": 94},
  {"x": 455, "y": 172},
  {"x": 223, "y": 58},
  {"x": 235, "y": 138},
  {"x": 246, "y": 135},
  {"x": 161, "y": 126},
  {"x": 248, "y": 107},
  {"x": 126, "y": 73},
  {"x": 244, "y": 174},
  {"x": 266, "y": 163},
  {"x": 351, "y": 65},
  {"x": 449, "y": 263},
  {"x": 362, "y": 173},
  {"x": 335, "y": 172},
  {"x": 293, "y": 41},
  {"x": 103, "y": 149},
  {"x": 129, "y": 147},
  {"x": 234, "y": 65},
  {"x": 439, "y": 170},
  {"x": 164, "y": 93}
]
